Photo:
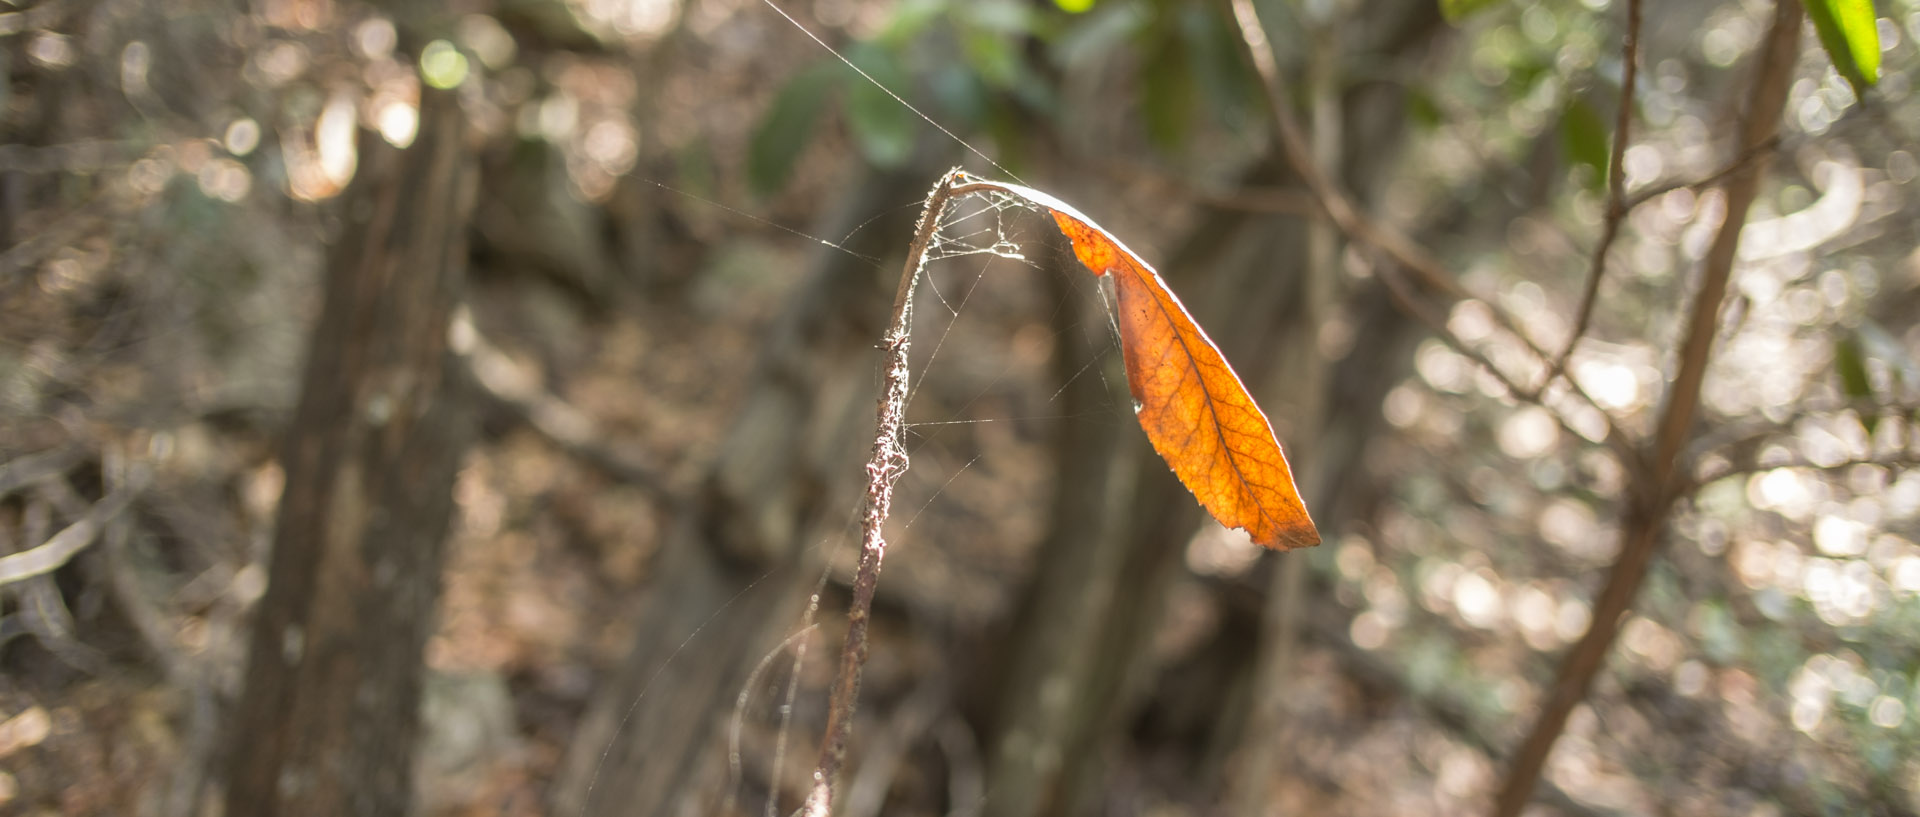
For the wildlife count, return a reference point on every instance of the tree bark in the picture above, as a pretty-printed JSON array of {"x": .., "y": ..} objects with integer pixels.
[{"x": 327, "y": 720}]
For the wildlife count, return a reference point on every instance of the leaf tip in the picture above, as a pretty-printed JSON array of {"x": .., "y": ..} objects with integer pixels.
[{"x": 1302, "y": 534}]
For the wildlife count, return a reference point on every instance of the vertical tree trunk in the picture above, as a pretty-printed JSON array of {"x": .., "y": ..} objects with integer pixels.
[
  {"x": 327, "y": 720},
  {"x": 1113, "y": 549},
  {"x": 1646, "y": 514},
  {"x": 1241, "y": 274},
  {"x": 1077, "y": 579}
]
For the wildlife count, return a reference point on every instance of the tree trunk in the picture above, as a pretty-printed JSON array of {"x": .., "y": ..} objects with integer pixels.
[
  {"x": 1050, "y": 761},
  {"x": 327, "y": 721},
  {"x": 1120, "y": 523}
]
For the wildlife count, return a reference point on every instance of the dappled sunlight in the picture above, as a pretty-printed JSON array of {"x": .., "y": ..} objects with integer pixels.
[
  {"x": 686, "y": 218},
  {"x": 1802, "y": 525}
]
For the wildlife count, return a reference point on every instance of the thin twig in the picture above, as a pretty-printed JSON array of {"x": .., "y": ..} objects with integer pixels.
[
  {"x": 1254, "y": 199},
  {"x": 884, "y": 467},
  {"x": 1363, "y": 228},
  {"x": 20, "y": 472},
  {"x": 1648, "y": 509},
  {"x": 966, "y": 787},
  {"x": 1900, "y": 460},
  {"x": 1251, "y": 785},
  {"x": 1747, "y": 157},
  {"x": 1733, "y": 442},
  {"x": 560, "y": 422},
  {"x": 1616, "y": 189},
  {"x": 50, "y": 555},
  {"x": 738, "y": 723}
]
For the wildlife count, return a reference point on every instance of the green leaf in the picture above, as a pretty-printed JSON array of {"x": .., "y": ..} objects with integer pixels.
[
  {"x": 1089, "y": 42},
  {"x": 962, "y": 98},
  {"x": 1583, "y": 135},
  {"x": 1852, "y": 39},
  {"x": 1219, "y": 67},
  {"x": 1166, "y": 84},
  {"x": 1850, "y": 363},
  {"x": 1423, "y": 109},
  {"x": 911, "y": 19},
  {"x": 882, "y": 127},
  {"x": 1457, "y": 10},
  {"x": 786, "y": 128},
  {"x": 993, "y": 57}
]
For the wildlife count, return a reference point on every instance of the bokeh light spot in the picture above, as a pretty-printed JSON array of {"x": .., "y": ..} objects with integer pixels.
[{"x": 442, "y": 65}]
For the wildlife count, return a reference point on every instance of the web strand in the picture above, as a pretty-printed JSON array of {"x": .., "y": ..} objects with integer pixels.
[
  {"x": 875, "y": 262},
  {"x": 889, "y": 92}
]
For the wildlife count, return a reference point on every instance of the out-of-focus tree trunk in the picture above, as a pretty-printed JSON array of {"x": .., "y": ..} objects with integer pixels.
[
  {"x": 1114, "y": 545},
  {"x": 1353, "y": 135},
  {"x": 731, "y": 580},
  {"x": 327, "y": 721},
  {"x": 1080, "y": 665},
  {"x": 1075, "y": 585}
]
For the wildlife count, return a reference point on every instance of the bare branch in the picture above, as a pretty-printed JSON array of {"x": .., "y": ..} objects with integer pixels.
[
  {"x": 886, "y": 465},
  {"x": 1647, "y": 513},
  {"x": 1741, "y": 442},
  {"x": 1765, "y": 150},
  {"x": 1409, "y": 303},
  {"x": 1363, "y": 229},
  {"x": 1616, "y": 188},
  {"x": 58, "y": 550},
  {"x": 20, "y": 472},
  {"x": 564, "y": 425},
  {"x": 1904, "y": 460}
]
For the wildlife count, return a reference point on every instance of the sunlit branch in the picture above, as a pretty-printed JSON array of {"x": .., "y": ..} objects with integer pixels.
[
  {"x": 1362, "y": 228},
  {"x": 885, "y": 466},
  {"x": 1616, "y": 189},
  {"x": 48, "y": 556},
  {"x": 1899, "y": 459},
  {"x": 1653, "y": 495},
  {"x": 1409, "y": 303},
  {"x": 1766, "y": 150}
]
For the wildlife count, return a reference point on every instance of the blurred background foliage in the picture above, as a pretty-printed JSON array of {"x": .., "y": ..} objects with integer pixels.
[{"x": 658, "y": 179}]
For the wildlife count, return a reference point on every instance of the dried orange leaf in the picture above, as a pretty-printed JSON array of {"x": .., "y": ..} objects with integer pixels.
[{"x": 1196, "y": 412}]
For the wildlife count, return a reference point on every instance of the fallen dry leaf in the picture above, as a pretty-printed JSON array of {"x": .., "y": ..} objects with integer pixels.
[{"x": 1196, "y": 412}]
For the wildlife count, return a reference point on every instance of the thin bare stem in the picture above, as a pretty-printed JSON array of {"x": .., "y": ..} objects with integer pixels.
[
  {"x": 1647, "y": 511},
  {"x": 1741, "y": 162},
  {"x": 1616, "y": 189},
  {"x": 1898, "y": 460},
  {"x": 56, "y": 550},
  {"x": 1252, "y": 784},
  {"x": 884, "y": 467},
  {"x": 797, "y": 643},
  {"x": 1362, "y": 228}
]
